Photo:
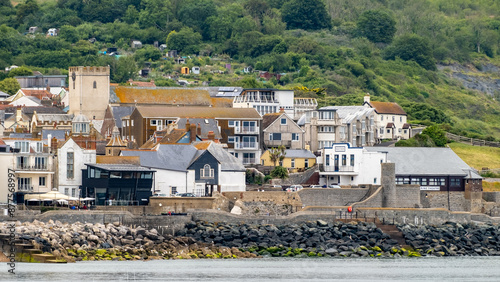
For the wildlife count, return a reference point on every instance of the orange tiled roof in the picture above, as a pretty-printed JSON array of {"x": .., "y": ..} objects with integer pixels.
[
  {"x": 198, "y": 112},
  {"x": 202, "y": 145},
  {"x": 142, "y": 83},
  {"x": 135, "y": 160},
  {"x": 163, "y": 96},
  {"x": 387, "y": 108},
  {"x": 40, "y": 94},
  {"x": 174, "y": 136}
]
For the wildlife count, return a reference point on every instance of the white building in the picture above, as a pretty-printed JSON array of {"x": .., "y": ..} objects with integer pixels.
[
  {"x": 345, "y": 165},
  {"x": 266, "y": 101},
  {"x": 390, "y": 120},
  {"x": 71, "y": 159}
]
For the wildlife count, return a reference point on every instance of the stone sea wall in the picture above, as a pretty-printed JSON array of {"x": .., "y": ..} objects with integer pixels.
[{"x": 203, "y": 239}]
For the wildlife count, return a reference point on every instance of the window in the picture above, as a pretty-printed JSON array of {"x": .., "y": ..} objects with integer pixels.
[
  {"x": 173, "y": 190},
  {"x": 401, "y": 119},
  {"x": 306, "y": 163},
  {"x": 230, "y": 139},
  {"x": 248, "y": 158},
  {"x": 24, "y": 184},
  {"x": 95, "y": 84},
  {"x": 455, "y": 182},
  {"x": 399, "y": 130},
  {"x": 283, "y": 121},
  {"x": 22, "y": 162},
  {"x": 381, "y": 130},
  {"x": 41, "y": 181},
  {"x": 249, "y": 142},
  {"x": 405, "y": 131},
  {"x": 388, "y": 131},
  {"x": 153, "y": 122},
  {"x": 73, "y": 192},
  {"x": 295, "y": 137},
  {"x": 393, "y": 118},
  {"x": 147, "y": 175},
  {"x": 132, "y": 122},
  {"x": 70, "y": 165},
  {"x": 40, "y": 163},
  {"x": 327, "y": 160},
  {"x": 293, "y": 163},
  {"x": 275, "y": 136},
  {"x": 381, "y": 117},
  {"x": 344, "y": 159},
  {"x": 399, "y": 180},
  {"x": 375, "y": 180},
  {"x": 66, "y": 191},
  {"x": 352, "y": 160},
  {"x": 23, "y": 146},
  {"x": 39, "y": 147},
  {"x": 207, "y": 172}
]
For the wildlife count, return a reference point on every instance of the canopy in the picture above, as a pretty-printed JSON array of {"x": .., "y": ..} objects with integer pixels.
[
  {"x": 52, "y": 195},
  {"x": 88, "y": 199}
]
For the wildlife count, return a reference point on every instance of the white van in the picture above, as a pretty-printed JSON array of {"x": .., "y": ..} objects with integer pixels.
[{"x": 294, "y": 188}]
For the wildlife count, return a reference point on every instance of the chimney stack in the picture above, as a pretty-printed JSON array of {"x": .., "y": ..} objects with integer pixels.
[
  {"x": 367, "y": 98},
  {"x": 188, "y": 125},
  {"x": 192, "y": 133},
  {"x": 211, "y": 135},
  {"x": 198, "y": 130}
]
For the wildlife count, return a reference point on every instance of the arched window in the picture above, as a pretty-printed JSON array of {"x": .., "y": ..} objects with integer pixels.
[
  {"x": 207, "y": 171},
  {"x": 95, "y": 84}
]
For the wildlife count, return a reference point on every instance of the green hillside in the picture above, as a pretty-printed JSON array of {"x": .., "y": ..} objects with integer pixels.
[{"x": 437, "y": 58}]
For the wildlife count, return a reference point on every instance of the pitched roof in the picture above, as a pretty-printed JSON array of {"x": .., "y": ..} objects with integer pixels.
[
  {"x": 135, "y": 160},
  {"x": 268, "y": 119},
  {"x": 206, "y": 126},
  {"x": 199, "y": 112},
  {"x": 299, "y": 153},
  {"x": 174, "y": 136},
  {"x": 406, "y": 126},
  {"x": 173, "y": 96},
  {"x": 40, "y": 94},
  {"x": 119, "y": 112},
  {"x": 121, "y": 167},
  {"x": 59, "y": 134},
  {"x": 387, "y": 108},
  {"x": 228, "y": 162},
  {"x": 54, "y": 117},
  {"x": 390, "y": 125},
  {"x": 170, "y": 157},
  {"x": 348, "y": 114},
  {"x": 424, "y": 161}
]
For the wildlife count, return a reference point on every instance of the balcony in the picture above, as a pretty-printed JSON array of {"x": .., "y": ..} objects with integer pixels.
[
  {"x": 246, "y": 145},
  {"x": 25, "y": 187},
  {"x": 338, "y": 168},
  {"x": 38, "y": 167},
  {"x": 247, "y": 130},
  {"x": 276, "y": 143}
]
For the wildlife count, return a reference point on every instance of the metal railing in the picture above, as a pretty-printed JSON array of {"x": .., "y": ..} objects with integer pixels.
[
  {"x": 246, "y": 130},
  {"x": 246, "y": 145}
]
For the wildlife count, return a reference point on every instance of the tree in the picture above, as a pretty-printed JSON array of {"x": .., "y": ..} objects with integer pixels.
[
  {"x": 20, "y": 71},
  {"x": 193, "y": 13},
  {"x": 305, "y": 14},
  {"x": 10, "y": 85},
  {"x": 436, "y": 134},
  {"x": 30, "y": 7},
  {"x": 377, "y": 25},
  {"x": 411, "y": 47},
  {"x": 279, "y": 172},
  {"x": 186, "y": 41},
  {"x": 277, "y": 153}
]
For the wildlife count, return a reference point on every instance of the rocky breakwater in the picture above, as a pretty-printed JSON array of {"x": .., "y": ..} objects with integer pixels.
[
  {"x": 79, "y": 242},
  {"x": 319, "y": 238},
  {"x": 454, "y": 239}
]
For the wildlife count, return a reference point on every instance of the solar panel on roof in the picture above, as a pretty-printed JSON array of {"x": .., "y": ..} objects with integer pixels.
[{"x": 226, "y": 89}]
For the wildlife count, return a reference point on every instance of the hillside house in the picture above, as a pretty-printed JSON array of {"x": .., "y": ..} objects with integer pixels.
[{"x": 390, "y": 120}]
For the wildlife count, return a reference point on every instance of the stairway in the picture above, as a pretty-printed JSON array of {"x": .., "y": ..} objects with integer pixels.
[{"x": 393, "y": 232}]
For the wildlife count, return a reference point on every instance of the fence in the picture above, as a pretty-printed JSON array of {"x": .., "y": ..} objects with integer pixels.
[{"x": 471, "y": 141}]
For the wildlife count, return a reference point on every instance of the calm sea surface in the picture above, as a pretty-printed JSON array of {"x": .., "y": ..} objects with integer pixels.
[{"x": 265, "y": 269}]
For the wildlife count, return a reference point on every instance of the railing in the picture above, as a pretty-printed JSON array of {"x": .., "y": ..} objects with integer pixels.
[
  {"x": 32, "y": 167},
  {"x": 246, "y": 145},
  {"x": 273, "y": 143},
  {"x": 246, "y": 130},
  {"x": 339, "y": 168},
  {"x": 249, "y": 161},
  {"x": 471, "y": 141},
  {"x": 25, "y": 187}
]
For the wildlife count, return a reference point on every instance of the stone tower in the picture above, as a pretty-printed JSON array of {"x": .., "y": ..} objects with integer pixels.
[
  {"x": 389, "y": 195},
  {"x": 88, "y": 91}
]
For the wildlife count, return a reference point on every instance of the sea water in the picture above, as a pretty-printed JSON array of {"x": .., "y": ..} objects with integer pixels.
[{"x": 265, "y": 269}]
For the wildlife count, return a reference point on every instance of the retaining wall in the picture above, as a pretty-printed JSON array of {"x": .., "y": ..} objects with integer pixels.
[
  {"x": 491, "y": 196},
  {"x": 438, "y": 199},
  {"x": 331, "y": 196}
]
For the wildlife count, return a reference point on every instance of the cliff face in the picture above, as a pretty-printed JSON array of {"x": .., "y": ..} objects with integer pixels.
[{"x": 484, "y": 78}]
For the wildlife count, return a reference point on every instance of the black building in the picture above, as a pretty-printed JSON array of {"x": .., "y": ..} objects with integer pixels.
[{"x": 117, "y": 184}]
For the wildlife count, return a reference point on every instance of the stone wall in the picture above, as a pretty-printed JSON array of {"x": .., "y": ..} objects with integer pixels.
[
  {"x": 160, "y": 205},
  {"x": 438, "y": 199},
  {"x": 331, "y": 196},
  {"x": 278, "y": 197},
  {"x": 408, "y": 196},
  {"x": 491, "y": 196}
]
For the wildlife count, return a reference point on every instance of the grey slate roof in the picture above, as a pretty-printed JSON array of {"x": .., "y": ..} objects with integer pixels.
[
  {"x": 59, "y": 134},
  {"x": 299, "y": 153},
  {"x": 119, "y": 112},
  {"x": 168, "y": 156},
  {"x": 350, "y": 113},
  {"x": 228, "y": 162},
  {"x": 55, "y": 117},
  {"x": 209, "y": 125},
  {"x": 121, "y": 167},
  {"x": 425, "y": 161}
]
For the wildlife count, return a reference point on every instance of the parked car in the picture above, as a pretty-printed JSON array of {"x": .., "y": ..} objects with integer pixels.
[
  {"x": 294, "y": 188},
  {"x": 159, "y": 195},
  {"x": 315, "y": 186},
  {"x": 185, "y": 195},
  {"x": 277, "y": 186},
  {"x": 334, "y": 186}
]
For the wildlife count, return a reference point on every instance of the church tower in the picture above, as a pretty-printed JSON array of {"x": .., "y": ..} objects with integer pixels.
[{"x": 88, "y": 91}]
